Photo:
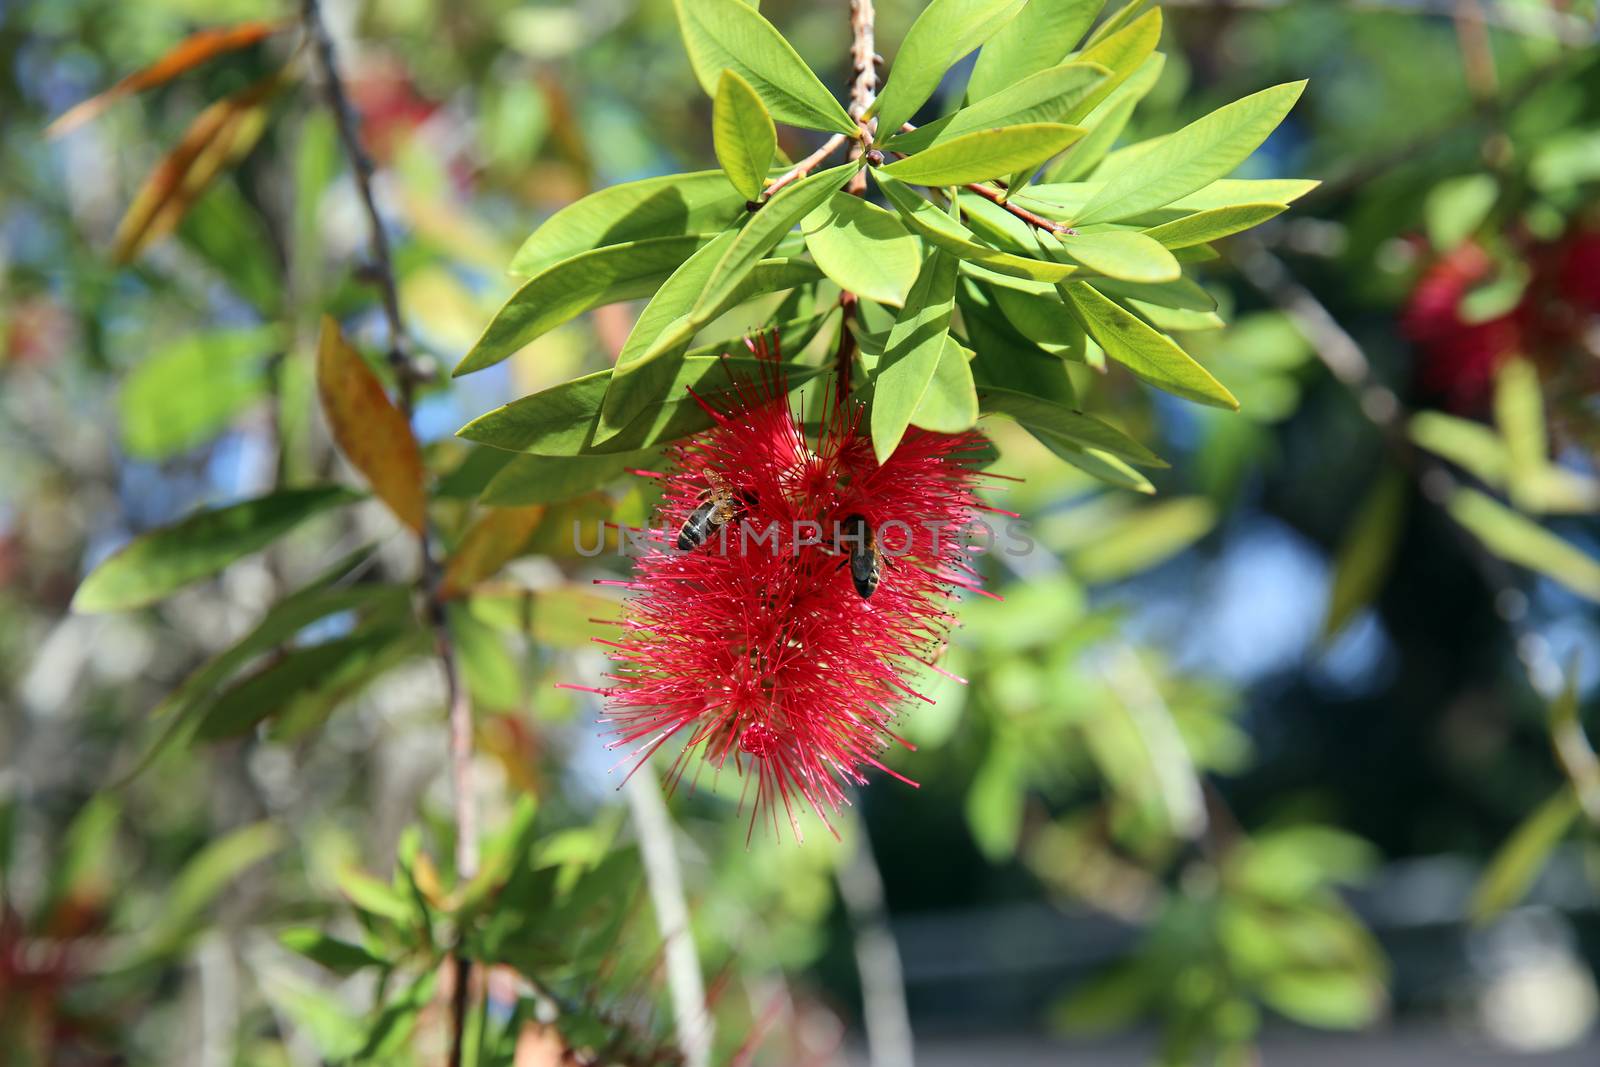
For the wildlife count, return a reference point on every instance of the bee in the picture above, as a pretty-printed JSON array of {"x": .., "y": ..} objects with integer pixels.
[
  {"x": 719, "y": 506},
  {"x": 865, "y": 561}
]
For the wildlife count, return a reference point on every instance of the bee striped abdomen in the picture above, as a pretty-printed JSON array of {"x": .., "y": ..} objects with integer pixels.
[{"x": 866, "y": 564}]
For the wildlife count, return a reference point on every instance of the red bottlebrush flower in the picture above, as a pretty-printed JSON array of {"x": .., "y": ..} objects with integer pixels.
[
  {"x": 755, "y": 647},
  {"x": 1459, "y": 358}
]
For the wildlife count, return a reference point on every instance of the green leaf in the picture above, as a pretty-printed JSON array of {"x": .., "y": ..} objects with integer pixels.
[
  {"x": 376, "y": 898},
  {"x": 776, "y": 218},
  {"x": 563, "y": 420},
  {"x": 943, "y": 32},
  {"x": 731, "y": 35},
  {"x": 938, "y": 228},
  {"x": 189, "y": 392},
  {"x": 912, "y": 354},
  {"x": 742, "y": 134},
  {"x": 1122, "y": 254},
  {"x": 392, "y": 1029},
  {"x": 529, "y": 479},
  {"x": 973, "y": 157},
  {"x": 994, "y": 805},
  {"x": 1045, "y": 97},
  {"x": 1470, "y": 445},
  {"x": 1515, "y": 867},
  {"x": 1007, "y": 359},
  {"x": 155, "y": 564},
  {"x": 865, "y": 249},
  {"x": 1203, "y": 226},
  {"x": 1152, "y": 357},
  {"x": 1046, "y": 418},
  {"x": 571, "y": 287},
  {"x": 341, "y": 957},
  {"x": 1123, "y": 50},
  {"x": 1106, "y": 121},
  {"x": 659, "y": 341},
  {"x": 1367, "y": 551},
  {"x": 1516, "y": 538},
  {"x": 674, "y": 205},
  {"x": 1189, "y": 160},
  {"x": 306, "y": 683},
  {"x": 950, "y": 404},
  {"x": 1040, "y": 36},
  {"x": 1143, "y": 538}
]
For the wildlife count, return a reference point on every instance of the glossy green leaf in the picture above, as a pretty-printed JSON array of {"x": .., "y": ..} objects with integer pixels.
[
  {"x": 950, "y": 403},
  {"x": 984, "y": 154},
  {"x": 160, "y": 562},
  {"x": 1515, "y": 867},
  {"x": 1124, "y": 52},
  {"x": 563, "y": 420},
  {"x": 731, "y": 35},
  {"x": 742, "y": 134},
  {"x": 1047, "y": 418},
  {"x": 865, "y": 249},
  {"x": 1045, "y": 97},
  {"x": 340, "y": 957},
  {"x": 675, "y": 205},
  {"x": 1203, "y": 226},
  {"x": 1368, "y": 548},
  {"x": 939, "y": 229},
  {"x": 530, "y": 479},
  {"x": 912, "y": 353},
  {"x": 1106, "y": 121},
  {"x": 943, "y": 32},
  {"x": 1190, "y": 159},
  {"x": 1122, "y": 254},
  {"x": 571, "y": 287},
  {"x": 776, "y": 218},
  {"x": 1519, "y": 415},
  {"x": 190, "y": 392},
  {"x": 1007, "y": 359},
  {"x": 1039, "y": 37},
  {"x": 652, "y": 354},
  {"x": 1151, "y": 356},
  {"x": 1517, "y": 538}
]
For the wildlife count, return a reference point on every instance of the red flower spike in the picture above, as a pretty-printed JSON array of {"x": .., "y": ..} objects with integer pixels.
[{"x": 754, "y": 647}]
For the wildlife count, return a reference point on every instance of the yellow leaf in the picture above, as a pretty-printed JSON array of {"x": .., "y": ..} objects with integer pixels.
[{"x": 372, "y": 433}]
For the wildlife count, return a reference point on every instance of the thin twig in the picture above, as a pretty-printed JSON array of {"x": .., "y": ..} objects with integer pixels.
[
  {"x": 408, "y": 377},
  {"x": 806, "y": 165},
  {"x": 883, "y": 991},
  {"x": 685, "y": 983},
  {"x": 863, "y": 84},
  {"x": 994, "y": 196}
]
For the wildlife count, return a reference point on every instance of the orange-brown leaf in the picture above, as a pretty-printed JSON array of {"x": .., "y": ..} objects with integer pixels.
[
  {"x": 219, "y": 136},
  {"x": 371, "y": 432},
  {"x": 191, "y": 52},
  {"x": 496, "y": 538}
]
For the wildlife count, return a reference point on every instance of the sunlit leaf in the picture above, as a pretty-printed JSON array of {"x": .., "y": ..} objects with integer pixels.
[
  {"x": 1039, "y": 37},
  {"x": 190, "y": 392},
  {"x": 1045, "y": 97},
  {"x": 1470, "y": 445},
  {"x": 675, "y": 205},
  {"x": 1122, "y": 254},
  {"x": 912, "y": 353},
  {"x": 529, "y": 479},
  {"x": 1512, "y": 871},
  {"x": 1151, "y": 356},
  {"x": 1145, "y": 537},
  {"x": 1203, "y": 226},
  {"x": 863, "y": 248},
  {"x": 341, "y": 957},
  {"x": 494, "y": 539},
  {"x": 731, "y": 35},
  {"x": 1106, "y": 121},
  {"x": 950, "y": 403},
  {"x": 983, "y": 154},
  {"x": 1519, "y": 415},
  {"x": 938, "y": 228},
  {"x": 943, "y": 32},
  {"x": 1044, "y": 417},
  {"x": 373, "y": 434},
  {"x": 742, "y": 134}
]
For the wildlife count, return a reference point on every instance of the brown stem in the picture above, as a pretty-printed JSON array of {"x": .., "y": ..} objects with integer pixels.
[
  {"x": 806, "y": 165},
  {"x": 994, "y": 196},
  {"x": 408, "y": 377},
  {"x": 845, "y": 357},
  {"x": 863, "y": 84}
]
